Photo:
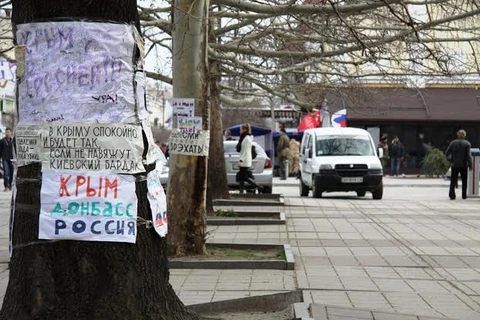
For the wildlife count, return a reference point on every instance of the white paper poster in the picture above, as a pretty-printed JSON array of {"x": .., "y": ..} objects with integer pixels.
[
  {"x": 88, "y": 206},
  {"x": 189, "y": 124},
  {"x": 109, "y": 147},
  {"x": 158, "y": 201},
  {"x": 27, "y": 140},
  {"x": 77, "y": 72},
  {"x": 190, "y": 144},
  {"x": 183, "y": 107}
]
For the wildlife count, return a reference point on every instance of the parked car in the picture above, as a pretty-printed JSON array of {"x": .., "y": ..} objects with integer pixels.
[
  {"x": 339, "y": 159},
  {"x": 261, "y": 167}
]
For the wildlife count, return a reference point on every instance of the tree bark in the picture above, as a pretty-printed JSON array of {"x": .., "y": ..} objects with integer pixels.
[
  {"x": 188, "y": 174},
  {"x": 217, "y": 175},
  {"x": 84, "y": 280}
]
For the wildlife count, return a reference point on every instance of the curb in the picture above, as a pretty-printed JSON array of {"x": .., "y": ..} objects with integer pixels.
[
  {"x": 225, "y": 221},
  {"x": 301, "y": 311},
  {"x": 271, "y": 302},
  {"x": 287, "y": 264},
  {"x": 248, "y": 202}
]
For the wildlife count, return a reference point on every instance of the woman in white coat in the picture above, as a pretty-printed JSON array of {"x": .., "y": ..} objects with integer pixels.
[{"x": 244, "y": 146}]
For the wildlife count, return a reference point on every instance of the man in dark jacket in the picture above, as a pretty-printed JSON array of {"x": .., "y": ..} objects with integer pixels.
[
  {"x": 397, "y": 152},
  {"x": 6, "y": 153},
  {"x": 461, "y": 159}
]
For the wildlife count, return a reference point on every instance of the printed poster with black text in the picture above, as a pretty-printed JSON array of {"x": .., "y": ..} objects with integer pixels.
[{"x": 88, "y": 206}]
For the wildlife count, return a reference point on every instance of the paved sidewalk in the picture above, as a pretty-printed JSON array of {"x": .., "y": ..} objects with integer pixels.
[{"x": 414, "y": 252}]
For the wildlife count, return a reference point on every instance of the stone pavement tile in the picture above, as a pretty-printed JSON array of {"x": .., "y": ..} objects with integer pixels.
[
  {"x": 351, "y": 236},
  {"x": 409, "y": 303},
  {"x": 423, "y": 286},
  {"x": 347, "y": 271},
  {"x": 473, "y": 262},
  {"x": 397, "y": 285},
  {"x": 464, "y": 274},
  {"x": 390, "y": 251},
  {"x": 473, "y": 285},
  {"x": 328, "y": 236},
  {"x": 392, "y": 316},
  {"x": 461, "y": 251},
  {"x": 354, "y": 283},
  {"x": 319, "y": 261},
  {"x": 307, "y": 242},
  {"x": 230, "y": 286},
  {"x": 449, "y": 262},
  {"x": 413, "y": 273},
  {"x": 195, "y": 297},
  {"x": 364, "y": 251},
  {"x": 356, "y": 243},
  {"x": 332, "y": 298},
  {"x": 398, "y": 261},
  {"x": 343, "y": 261},
  {"x": 448, "y": 305},
  {"x": 325, "y": 284},
  {"x": 312, "y": 251},
  {"x": 372, "y": 261},
  {"x": 369, "y": 300},
  {"x": 332, "y": 243},
  {"x": 382, "y": 272},
  {"x": 338, "y": 251},
  {"x": 228, "y": 295},
  {"x": 340, "y": 313}
]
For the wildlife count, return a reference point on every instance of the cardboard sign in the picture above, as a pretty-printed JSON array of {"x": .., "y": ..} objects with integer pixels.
[
  {"x": 97, "y": 147},
  {"x": 190, "y": 144},
  {"x": 88, "y": 206},
  {"x": 158, "y": 201},
  {"x": 189, "y": 124},
  {"x": 28, "y": 143},
  {"x": 183, "y": 107}
]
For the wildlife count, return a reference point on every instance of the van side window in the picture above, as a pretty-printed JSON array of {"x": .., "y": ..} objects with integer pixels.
[
  {"x": 304, "y": 144},
  {"x": 310, "y": 145}
]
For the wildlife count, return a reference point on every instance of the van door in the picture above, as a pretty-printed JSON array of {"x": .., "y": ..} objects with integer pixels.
[{"x": 307, "y": 159}]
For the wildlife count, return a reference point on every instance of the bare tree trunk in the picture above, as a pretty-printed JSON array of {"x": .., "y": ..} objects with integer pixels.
[
  {"x": 52, "y": 280},
  {"x": 217, "y": 175},
  {"x": 188, "y": 174}
]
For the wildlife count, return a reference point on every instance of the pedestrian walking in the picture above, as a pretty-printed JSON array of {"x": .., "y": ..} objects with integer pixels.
[
  {"x": 397, "y": 154},
  {"x": 283, "y": 151},
  {"x": 6, "y": 153},
  {"x": 244, "y": 146},
  {"x": 295, "y": 153},
  {"x": 383, "y": 144},
  {"x": 458, "y": 152}
]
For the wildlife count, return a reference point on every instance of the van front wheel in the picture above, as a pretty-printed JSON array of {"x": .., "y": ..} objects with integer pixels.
[
  {"x": 378, "y": 194},
  {"x": 317, "y": 193},
  {"x": 304, "y": 190}
]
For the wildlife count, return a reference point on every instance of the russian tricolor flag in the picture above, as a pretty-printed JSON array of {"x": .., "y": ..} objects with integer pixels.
[{"x": 339, "y": 118}]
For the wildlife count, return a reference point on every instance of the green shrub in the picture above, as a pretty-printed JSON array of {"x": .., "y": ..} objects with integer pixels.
[{"x": 435, "y": 163}]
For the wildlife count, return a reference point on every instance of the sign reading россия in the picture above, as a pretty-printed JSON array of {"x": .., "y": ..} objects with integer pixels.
[{"x": 88, "y": 206}]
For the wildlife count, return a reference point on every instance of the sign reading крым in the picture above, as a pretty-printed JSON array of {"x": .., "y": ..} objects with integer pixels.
[{"x": 88, "y": 206}]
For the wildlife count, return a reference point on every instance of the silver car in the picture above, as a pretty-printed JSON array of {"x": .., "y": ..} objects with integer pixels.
[{"x": 261, "y": 168}]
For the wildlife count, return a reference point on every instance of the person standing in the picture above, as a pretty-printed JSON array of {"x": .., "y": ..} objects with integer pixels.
[
  {"x": 244, "y": 146},
  {"x": 295, "y": 153},
  {"x": 283, "y": 151},
  {"x": 227, "y": 135},
  {"x": 6, "y": 153},
  {"x": 397, "y": 152},
  {"x": 460, "y": 160},
  {"x": 384, "y": 146}
]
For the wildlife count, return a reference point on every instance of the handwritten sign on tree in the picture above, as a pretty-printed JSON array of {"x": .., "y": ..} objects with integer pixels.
[
  {"x": 88, "y": 206},
  {"x": 109, "y": 147},
  {"x": 190, "y": 144},
  {"x": 76, "y": 72}
]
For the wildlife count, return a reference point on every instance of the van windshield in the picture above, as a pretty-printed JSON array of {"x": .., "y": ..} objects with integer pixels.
[{"x": 344, "y": 146}]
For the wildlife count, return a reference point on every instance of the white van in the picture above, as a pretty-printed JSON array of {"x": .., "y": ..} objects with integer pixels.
[{"x": 339, "y": 159}]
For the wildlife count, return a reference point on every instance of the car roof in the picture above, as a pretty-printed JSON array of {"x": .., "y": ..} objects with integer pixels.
[{"x": 337, "y": 131}]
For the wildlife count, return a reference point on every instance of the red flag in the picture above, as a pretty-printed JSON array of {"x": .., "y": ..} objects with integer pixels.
[{"x": 310, "y": 121}]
